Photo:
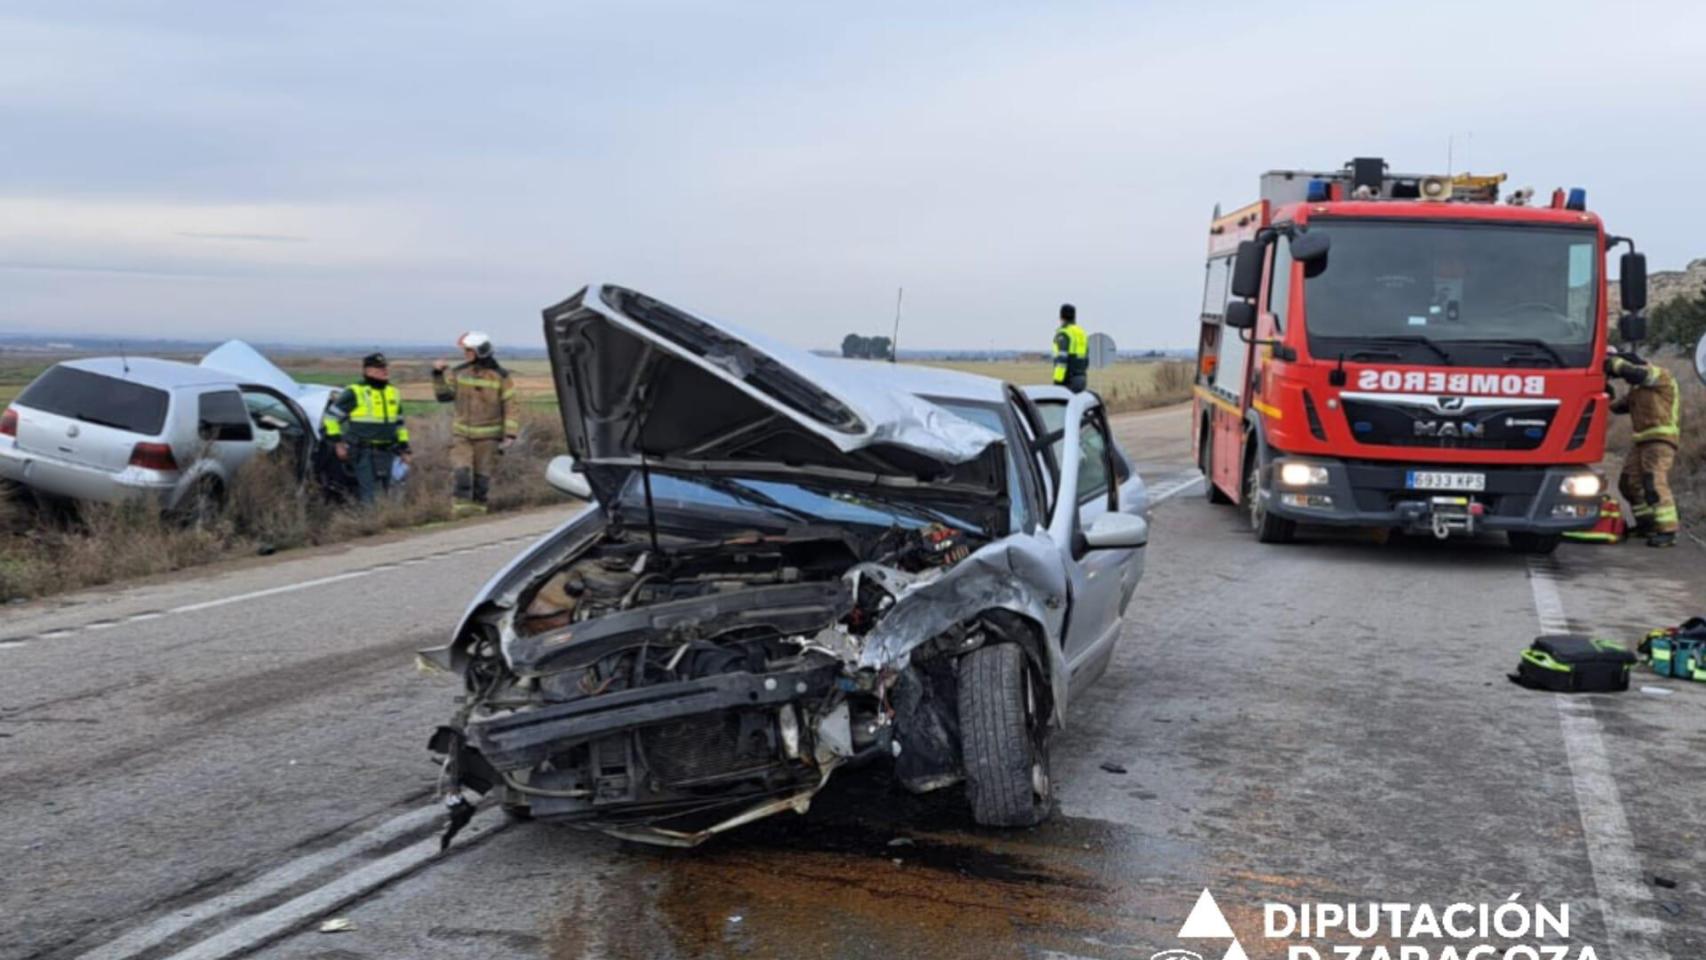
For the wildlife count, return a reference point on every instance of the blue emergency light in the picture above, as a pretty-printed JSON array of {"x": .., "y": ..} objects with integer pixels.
[
  {"x": 1578, "y": 199},
  {"x": 1317, "y": 191}
]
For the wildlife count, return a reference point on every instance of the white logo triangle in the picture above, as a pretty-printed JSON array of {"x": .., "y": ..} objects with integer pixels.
[
  {"x": 1235, "y": 952},
  {"x": 1206, "y": 920}
]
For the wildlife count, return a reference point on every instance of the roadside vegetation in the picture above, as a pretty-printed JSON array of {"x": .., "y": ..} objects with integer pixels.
[{"x": 52, "y": 549}]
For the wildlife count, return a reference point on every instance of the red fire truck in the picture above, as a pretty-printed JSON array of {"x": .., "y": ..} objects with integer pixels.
[{"x": 1404, "y": 351}]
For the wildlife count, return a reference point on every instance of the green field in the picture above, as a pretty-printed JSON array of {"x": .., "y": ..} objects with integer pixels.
[{"x": 1123, "y": 386}]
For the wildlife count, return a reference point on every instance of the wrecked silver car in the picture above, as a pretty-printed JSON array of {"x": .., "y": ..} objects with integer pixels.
[{"x": 791, "y": 564}]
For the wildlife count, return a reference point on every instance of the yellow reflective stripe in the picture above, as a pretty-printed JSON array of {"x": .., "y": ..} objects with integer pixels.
[
  {"x": 1664, "y": 430},
  {"x": 1209, "y": 396},
  {"x": 482, "y": 383},
  {"x": 332, "y": 426},
  {"x": 1591, "y": 535},
  {"x": 512, "y": 426},
  {"x": 1664, "y": 514},
  {"x": 1267, "y": 409},
  {"x": 478, "y": 433},
  {"x": 374, "y": 406}
]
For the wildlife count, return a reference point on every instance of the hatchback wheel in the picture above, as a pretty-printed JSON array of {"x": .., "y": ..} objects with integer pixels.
[
  {"x": 1003, "y": 738},
  {"x": 204, "y": 504}
]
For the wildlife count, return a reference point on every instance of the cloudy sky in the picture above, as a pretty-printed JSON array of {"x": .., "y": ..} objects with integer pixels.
[{"x": 404, "y": 171}]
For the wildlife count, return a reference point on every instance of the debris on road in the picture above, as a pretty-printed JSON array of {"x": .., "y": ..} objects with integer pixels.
[
  {"x": 337, "y": 925},
  {"x": 1664, "y": 882},
  {"x": 1112, "y": 767}
]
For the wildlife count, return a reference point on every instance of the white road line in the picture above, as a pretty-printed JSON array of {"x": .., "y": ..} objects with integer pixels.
[
  {"x": 8, "y": 644},
  {"x": 139, "y": 617},
  {"x": 286, "y": 917},
  {"x": 1624, "y": 900},
  {"x": 267, "y": 885},
  {"x": 1174, "y": 489},
  {"x": 271, "y": 591}
]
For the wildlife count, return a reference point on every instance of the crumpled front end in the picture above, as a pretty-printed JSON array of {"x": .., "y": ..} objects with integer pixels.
[{"x": 667, "y": 695}]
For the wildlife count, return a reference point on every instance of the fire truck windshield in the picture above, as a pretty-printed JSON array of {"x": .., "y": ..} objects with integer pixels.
[{"x": 1456, "y": 293}]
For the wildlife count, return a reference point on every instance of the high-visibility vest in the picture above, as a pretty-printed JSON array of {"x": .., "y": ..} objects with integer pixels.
[
  {"x": 367, "y": 414},
  {"x": 1071, "y": 353}
]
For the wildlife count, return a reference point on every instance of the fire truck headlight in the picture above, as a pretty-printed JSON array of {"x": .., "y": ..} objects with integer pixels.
[
  {"x": 1581, "y": 485},
  {"x": 1302, "y": 475}
]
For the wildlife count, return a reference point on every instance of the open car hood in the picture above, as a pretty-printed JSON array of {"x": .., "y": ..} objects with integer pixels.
[{"x": 641, "y": 381}]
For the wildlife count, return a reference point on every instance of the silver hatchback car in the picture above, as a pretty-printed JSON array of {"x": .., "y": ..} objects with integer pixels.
[{"x": 110, "y": 429}]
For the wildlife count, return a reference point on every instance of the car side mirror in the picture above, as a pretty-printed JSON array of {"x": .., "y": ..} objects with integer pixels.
[
  {"x": 1310, "y": 247},
  {"x": 1632, "y": 282},
  {"x": 1632, "y": 328},
  {"x": 1241, "y": 315},
  {"x": 1247, "y": 269},
  {"x": 561, "y": 474},
  {"x": 1117, "y": 531}
]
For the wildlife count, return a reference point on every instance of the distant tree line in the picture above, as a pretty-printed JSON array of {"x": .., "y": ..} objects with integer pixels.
[
  {"x": 1678, "y": 322},
  {"x": 856, "y": 347}
]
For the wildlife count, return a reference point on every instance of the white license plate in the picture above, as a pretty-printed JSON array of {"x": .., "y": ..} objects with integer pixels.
[{"x": 1444, "y": 480}]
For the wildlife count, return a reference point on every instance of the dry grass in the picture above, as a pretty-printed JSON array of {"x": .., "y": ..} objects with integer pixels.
[
  {"x": 1123, "y": 386},
  {"x": 45, "y": 550}
]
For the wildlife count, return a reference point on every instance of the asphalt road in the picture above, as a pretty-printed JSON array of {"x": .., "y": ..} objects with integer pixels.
[{"x": 215, "y": 766}]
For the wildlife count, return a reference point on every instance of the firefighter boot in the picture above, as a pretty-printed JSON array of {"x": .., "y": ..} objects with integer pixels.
[
  {"x": 462, "y": 493},
  {"x": 1666, "y": 539}
]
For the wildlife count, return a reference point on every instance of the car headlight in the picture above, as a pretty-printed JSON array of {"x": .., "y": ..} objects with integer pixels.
[
  {"x": 1581, "y": 485},
  {"x": 1302, "y": 475}
]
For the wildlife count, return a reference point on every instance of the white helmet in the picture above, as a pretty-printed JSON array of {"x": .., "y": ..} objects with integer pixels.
[{"x": 476, "y": 341}]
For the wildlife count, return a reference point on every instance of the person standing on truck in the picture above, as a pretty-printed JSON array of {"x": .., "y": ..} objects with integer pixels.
[
  {"x": 1071, "y": 352},
  {"x": 1654, "y": 405},
  {"x": 486, "y": 421},
  {"x": 365, "y": 426}
]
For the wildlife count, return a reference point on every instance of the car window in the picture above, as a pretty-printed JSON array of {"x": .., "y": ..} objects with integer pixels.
[
  {"x": 221, "y": 415},
  {"x": 1093, "y": 467},
  {"x": 93, "y": 398},
  {"x": 263, "y": 404},
  {"x": 989, "y": 416}
]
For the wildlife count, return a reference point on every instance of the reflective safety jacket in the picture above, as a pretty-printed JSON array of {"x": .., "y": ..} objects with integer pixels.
[
  {"x": 1654, "y": 402},
  {"x": 1071, "y": 353},
  {"x": 484, "y": 394},
  {"x": 367, "y": 414}
]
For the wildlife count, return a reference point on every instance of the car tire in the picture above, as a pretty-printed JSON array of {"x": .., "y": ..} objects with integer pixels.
[
  {"x": 1534, "y": 544},
  {"x": 1206, "y": 461},
  {"x": 1267, "y": 527},
  {"x": 204, "y": 504},
  {"x": 1003, "y": 738}
]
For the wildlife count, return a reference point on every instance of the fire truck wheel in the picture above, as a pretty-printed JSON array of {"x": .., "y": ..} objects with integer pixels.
[
  {"x": 1206, "y": 461},
  {"x": 1538, "y": 544},
  {"x": 1268, "y": 528}
]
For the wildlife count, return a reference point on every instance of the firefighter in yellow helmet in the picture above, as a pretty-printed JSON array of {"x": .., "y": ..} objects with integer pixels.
[
  {"x": 485, "y": 423},
  {"x": 364, "y": 424},
  {"x": 1654, "y": 405},
  {"x": 1071, "y": 351}
]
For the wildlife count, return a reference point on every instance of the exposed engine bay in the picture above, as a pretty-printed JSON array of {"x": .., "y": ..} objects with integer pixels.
[{"x": 665, "y": 688}]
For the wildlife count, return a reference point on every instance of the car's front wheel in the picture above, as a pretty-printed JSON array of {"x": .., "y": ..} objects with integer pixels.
[{"x": 1003, "y": 738}]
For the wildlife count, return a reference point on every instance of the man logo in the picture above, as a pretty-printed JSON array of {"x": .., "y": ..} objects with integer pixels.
[
  {"x": 1451, "y": 403},
  {"x": 1208, "y": 923}
]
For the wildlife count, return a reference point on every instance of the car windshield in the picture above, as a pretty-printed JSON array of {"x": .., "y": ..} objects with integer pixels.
[
  {"x": 93, "y": 398},
  {"x": 790, "y": 502},
  {"x": 1444, "y": 293}
]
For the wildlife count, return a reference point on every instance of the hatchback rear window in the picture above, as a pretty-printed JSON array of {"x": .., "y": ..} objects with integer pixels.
[{"x": 92, "y": 398}]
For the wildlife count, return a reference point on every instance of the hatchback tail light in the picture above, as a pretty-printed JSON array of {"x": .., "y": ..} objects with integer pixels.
[
  {"x": 153, "y": 456},
  {"x": 9, "y": 423}
]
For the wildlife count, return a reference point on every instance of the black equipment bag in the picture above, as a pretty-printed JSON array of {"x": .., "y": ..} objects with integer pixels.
[{"x": 1572, "y": 663}]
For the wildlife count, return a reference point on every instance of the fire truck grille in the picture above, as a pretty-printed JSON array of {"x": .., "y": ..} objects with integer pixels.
[{"x": 1486, "y": 428}]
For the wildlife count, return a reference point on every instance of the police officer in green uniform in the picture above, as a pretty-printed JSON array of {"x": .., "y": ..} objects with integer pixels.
[
  {"x": 1071, "y": 351},
  {"x": 365, "y": 425}
]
